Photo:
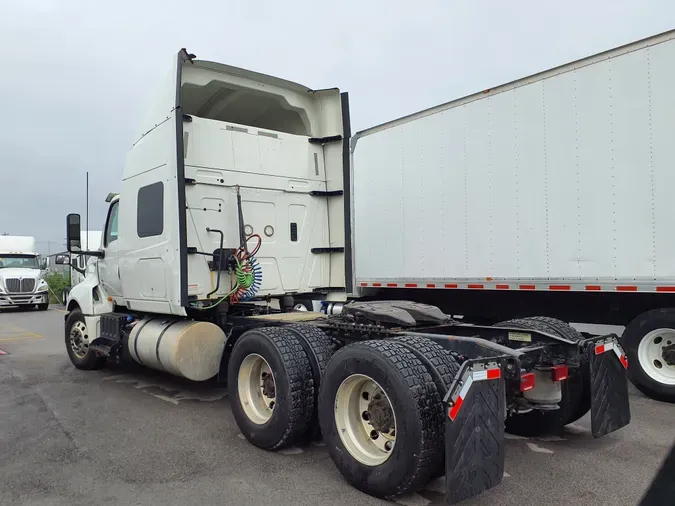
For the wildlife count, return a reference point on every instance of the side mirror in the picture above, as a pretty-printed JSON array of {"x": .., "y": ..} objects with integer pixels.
[
  {"x": 73, "y": 233},
  {"x": 61, "y": 260}
]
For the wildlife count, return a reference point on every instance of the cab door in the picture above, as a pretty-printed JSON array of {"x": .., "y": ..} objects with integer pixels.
[{"x": 108, "y": 266}]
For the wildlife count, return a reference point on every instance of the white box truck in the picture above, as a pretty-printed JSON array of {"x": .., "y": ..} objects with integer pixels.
[
  {"x": 21, "y": 280},
  {"x": 237, "y": 197},
  {"x": 549, "y": 195}
]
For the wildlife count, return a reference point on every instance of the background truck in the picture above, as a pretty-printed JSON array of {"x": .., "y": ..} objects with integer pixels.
[
  {"x": 235, "y": 198},
  {"x": 21, "y": 280},
  {"x": 549, "y": 195}
]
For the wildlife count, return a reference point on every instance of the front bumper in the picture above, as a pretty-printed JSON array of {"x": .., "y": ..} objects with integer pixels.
[{"x": 23, "y": 299}]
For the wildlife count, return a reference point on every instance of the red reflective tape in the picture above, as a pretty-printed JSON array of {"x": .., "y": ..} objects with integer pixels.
[
  {"x": 624, "y": 361},
  {"x": 502, "y": 287},
  {"x": 364, "y": 284},
  {"x": 592, "y": 288},
  {"x": 455, "y": 409},
  {"x": 600, "y": 349},
  {"x": 451, "y": 285},
  {"x": 431, "y": 285},
  {"x": 474, "y": 286},
  {"x": 528, "y": 287},
  {"x": 559, "y": 287},
  {"x": 392, "y": 285},
  {"x": 665, "y": 288},
  {"x": 377, "y": 284},
  {"x": 493, "y": 374},
  {"x": 626, "y": 288},
  {"x": 411, "y": 285}
]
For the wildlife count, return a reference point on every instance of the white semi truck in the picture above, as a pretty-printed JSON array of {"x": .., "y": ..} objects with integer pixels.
[
  {"x": 236, "y": 197},
  {"x": 21, "y": 280}
]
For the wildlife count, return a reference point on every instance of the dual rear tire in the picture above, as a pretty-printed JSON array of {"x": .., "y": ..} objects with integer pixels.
[{"x": 378, "y": 404}]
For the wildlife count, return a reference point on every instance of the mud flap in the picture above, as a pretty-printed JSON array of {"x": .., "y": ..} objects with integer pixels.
[
  {"x": 474, "y": 430},
  {"x": 610, "y": 409}
]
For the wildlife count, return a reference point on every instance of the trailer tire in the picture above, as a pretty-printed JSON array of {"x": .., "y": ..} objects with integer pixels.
[
  {"x": 413, "y": 403},
  {"x": 77, "y": 343},
  {"x": 639, "y": 340},
  {"x": 278, "y": 414},
  {"x": 576, "y": 401},
  {"x": 319, "y": 348},
  {"x": 443, "y": 368}
]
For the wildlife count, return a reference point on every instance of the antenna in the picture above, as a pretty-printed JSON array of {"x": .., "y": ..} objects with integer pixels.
[{"x": 86, "y": 246}]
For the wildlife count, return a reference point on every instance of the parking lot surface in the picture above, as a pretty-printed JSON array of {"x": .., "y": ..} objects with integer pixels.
[{"x": 70, "y": 437}]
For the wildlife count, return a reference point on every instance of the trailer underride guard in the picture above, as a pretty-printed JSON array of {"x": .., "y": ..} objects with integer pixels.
[{"x": 496, "y": 366}]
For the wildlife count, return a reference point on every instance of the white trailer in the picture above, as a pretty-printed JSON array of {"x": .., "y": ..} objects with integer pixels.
[
  {"x": 237, "y": 192},
  {"x": 549, "y": 195},
  {"x": 21, "y": 279}
]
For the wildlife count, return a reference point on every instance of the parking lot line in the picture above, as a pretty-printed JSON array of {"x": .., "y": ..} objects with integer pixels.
[{"x": 18, "y": 338}]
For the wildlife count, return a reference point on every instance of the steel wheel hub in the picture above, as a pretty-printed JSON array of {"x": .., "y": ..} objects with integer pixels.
[
  {"x": 656, "y": 353},
  {"x": 365, "y": 420},
  {"x": 256, "y": 388},
  {"x": 79, "y": 339}
]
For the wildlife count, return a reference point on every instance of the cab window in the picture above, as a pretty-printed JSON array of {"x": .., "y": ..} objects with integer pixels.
[{"x": 111, "y": 224}]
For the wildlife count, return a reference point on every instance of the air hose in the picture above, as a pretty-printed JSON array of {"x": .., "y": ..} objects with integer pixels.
[{"x": 248, "y": 273}]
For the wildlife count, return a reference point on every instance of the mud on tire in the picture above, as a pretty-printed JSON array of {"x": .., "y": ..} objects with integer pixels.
[
  {"x": 415, "y": 402},
  {"x": 293, "y": 387}
]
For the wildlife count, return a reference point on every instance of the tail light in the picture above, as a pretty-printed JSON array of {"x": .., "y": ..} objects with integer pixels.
[
  {"x": 559, "y": 372},
  {"x": 526, "y": 381}
]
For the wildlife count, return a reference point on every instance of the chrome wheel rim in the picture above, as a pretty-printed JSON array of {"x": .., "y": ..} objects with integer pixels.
[
  {"x": 651, "y": 355},
  {"x": 79, "y": 339},
  {"x": 365, "y": 420},
  {"x": 257, "y": 389}
]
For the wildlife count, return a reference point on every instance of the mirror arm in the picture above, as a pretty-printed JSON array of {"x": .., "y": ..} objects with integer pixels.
[
  {"x": 97, "y": 254},
  {"x": 81, "y": 271}
]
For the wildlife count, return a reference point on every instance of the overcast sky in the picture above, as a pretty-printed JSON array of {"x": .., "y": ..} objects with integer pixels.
[{"x": 76, "y": 73}]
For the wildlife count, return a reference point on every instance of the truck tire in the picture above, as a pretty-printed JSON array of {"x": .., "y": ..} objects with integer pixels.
[
  {"x": 378, "y": 410},
  {"x": 271, "y": 385},
  {"x": 576, "y": 400},
  {"x": 43, "y": 307},
  {"x": 77, "y": 343},
  {"x": 319, "y": 348},
  {"x": 649, "y": 342},
  {"x": 443, "y": 368}
]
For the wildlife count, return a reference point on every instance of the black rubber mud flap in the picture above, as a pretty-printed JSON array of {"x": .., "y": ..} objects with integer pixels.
[
  {"x": 474, "y": 430},
  {"x": 610, "y": 409}
]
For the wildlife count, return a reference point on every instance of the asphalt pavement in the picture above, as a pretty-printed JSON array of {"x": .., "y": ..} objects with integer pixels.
[{"x": 120, "y": 437}]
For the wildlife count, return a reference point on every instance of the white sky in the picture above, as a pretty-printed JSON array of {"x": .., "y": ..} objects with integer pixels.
[{"x": 75, "y": 73}]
